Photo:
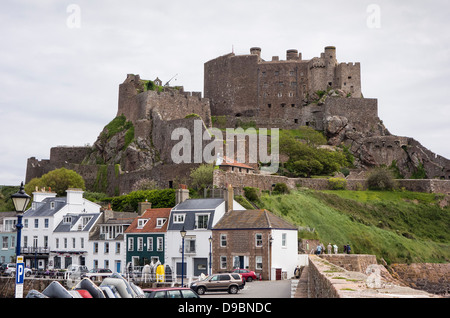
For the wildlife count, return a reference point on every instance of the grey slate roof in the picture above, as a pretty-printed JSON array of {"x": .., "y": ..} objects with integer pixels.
[
  {"x": 43, "y": 208},
  {"x": 65, "y": 227},
  {"x": 199, "y": 204},
  {"x": 190, "y": 207}
]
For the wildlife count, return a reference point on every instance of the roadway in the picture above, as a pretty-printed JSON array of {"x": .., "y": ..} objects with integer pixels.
[{"x": 258, "y": 289}]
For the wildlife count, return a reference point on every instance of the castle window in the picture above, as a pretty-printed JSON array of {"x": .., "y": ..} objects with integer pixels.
[
  {"x": 293, "y": 84},
  {"x": 349, "y": 77},
  {"x": 280, "y": 83},
  {"x": 263, "y": 73},
  {"x": 292, "y": 73},
  {"x": 283, "y": 104},
  {"x": 277, "y": 73},
  {"x": 296, "y": 121},
  {"x": 291, "y": 94},
  {"x": 280, "y": 94},
  {"x": 330, "y": 83},
  {"x": 269, "y": 105},
  {"x": 292, "y": 105}
]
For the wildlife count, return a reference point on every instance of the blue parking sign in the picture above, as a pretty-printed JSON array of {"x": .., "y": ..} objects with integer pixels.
[{"x": 20, "y": 273}]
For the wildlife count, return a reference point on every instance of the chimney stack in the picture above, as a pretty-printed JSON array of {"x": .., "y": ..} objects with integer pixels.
[
  {"x": 182, "y": 194},
  {"x": 142, "y": 206},
  {"x": 229, "y": 197}
]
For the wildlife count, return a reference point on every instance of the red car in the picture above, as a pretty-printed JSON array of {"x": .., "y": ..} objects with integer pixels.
[{"x": 246, "y": 274}]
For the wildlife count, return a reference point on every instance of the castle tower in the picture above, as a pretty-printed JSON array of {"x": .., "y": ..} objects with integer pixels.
[{"x": 330, "y": 65}]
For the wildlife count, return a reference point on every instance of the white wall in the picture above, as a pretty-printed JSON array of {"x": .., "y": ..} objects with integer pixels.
[{"x": 284, "y": 257}]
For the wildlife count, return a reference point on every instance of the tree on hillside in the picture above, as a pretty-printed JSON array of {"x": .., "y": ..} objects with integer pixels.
[
  {"x": 58, "y": 181},
  {"x": 202, "y": 177},
  {"x": 381, "y": 179}
]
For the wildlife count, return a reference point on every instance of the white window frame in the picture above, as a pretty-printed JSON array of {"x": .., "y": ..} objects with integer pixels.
[
  {"x": 141, "y": 223},
  {"x": 160, "y": 222},
  {"x": 197, "y": 216},
  {"x": 258, "y": 262},
  {"x": 223, "y": 262},
  {"x": 178, "y": 218},
  {"x": 159, "y": 244},
  {"x": 223, "y": 240},
  {"x": 140, "y": 244},
  {"x": 131, "y": 244},
  {"x": 258, "y": 241},
  {"x": 149, "y": 243}
]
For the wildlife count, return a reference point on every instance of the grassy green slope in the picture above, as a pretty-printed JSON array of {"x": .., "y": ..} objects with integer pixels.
[{"x": 400, "y": 227}]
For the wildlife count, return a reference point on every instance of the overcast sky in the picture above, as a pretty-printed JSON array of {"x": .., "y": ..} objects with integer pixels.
[{"x": 61, "y": 62}]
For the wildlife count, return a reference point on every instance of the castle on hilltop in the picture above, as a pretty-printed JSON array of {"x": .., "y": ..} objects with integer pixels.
[
  {"x": 238, "y": 90},
  {"x": 247, "y": 85}
]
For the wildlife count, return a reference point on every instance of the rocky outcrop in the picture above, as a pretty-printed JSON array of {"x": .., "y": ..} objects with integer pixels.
[
  {"x": 355, "y": 124},
  {"x": 430, "y": 277}
]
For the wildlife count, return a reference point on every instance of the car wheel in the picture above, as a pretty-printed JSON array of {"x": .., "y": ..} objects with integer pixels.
[
  {"x": 28, "y": 274},
  {"x": 249, "y": 279},
  {"x": 233, "y": 289},
  {"x": 201, "y": 290}
]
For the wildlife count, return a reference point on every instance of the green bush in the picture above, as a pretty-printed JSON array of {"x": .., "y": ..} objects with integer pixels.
[
  {"x": 381, "y": 179},
  {"x": 337, "y": 183},
  {"x": 281, "y": 188},
  {"x": 129, "y": 202},
  {"x": 251, "y": 193}
]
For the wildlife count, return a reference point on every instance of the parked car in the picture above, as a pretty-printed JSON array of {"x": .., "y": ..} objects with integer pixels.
[
  {"x": 10, "y": 270},
  {"x": 75, "y": 270},
  {"x": 246, "y": 274},
  {"x": 173, "y": 292},
  {"x": 97, "y": 273},
  {"x": 230, "y": 282}
]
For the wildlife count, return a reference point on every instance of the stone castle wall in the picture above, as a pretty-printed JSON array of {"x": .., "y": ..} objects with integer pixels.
[
  {"x": 172, "y": 103},
  {"x": 240, "y": 180},
  {"x": 248, "y": 86}
]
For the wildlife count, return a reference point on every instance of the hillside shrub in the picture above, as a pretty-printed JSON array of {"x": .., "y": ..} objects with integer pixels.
[
  {"x": 381, "y": 179},
  {"x": 281, "y": 188},
  {"x": 159, "y": 198},
  {"x": 251, "y": 193},
  {"x": 337, "y": 183}
]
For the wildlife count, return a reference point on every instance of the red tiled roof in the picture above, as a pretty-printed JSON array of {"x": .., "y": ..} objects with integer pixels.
[
  {"x": 152, "y": 215},
  {"x": 230, "y": 162}
]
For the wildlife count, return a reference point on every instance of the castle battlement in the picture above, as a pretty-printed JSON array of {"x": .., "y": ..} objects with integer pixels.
[
  {"x": 249, "y": 86},
  {"x": 138, "y": 99}
]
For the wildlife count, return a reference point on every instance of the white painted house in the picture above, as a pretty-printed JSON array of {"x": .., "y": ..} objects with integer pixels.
[
  {"x": 197, "y": 217},
  {"x": 55, "y": 229}
]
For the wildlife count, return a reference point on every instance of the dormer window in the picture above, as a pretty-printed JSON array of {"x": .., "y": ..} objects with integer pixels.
[
  {"x": 67, "y": 219},
  {"x": 201, "y": 221},
  {"x": 160, "y": 222},
  {"x": 141, "y": 223},
  {"x": 178, "y": 218},
  {"x": 52, "y": 205}
]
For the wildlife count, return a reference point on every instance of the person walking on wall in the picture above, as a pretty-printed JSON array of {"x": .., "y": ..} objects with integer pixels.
[
  {"x": 329, "y": 248},
  {"x": 335, "y": 248},
  {"x": 318, "y": 250},
  {"x": 348, "y": 249}
]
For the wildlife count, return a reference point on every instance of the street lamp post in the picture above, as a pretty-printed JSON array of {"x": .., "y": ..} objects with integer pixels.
[
  {"x": 183, "y": 234},
  {"x": 210, "y": 255},
  {"x": 20, "y": 200}
]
